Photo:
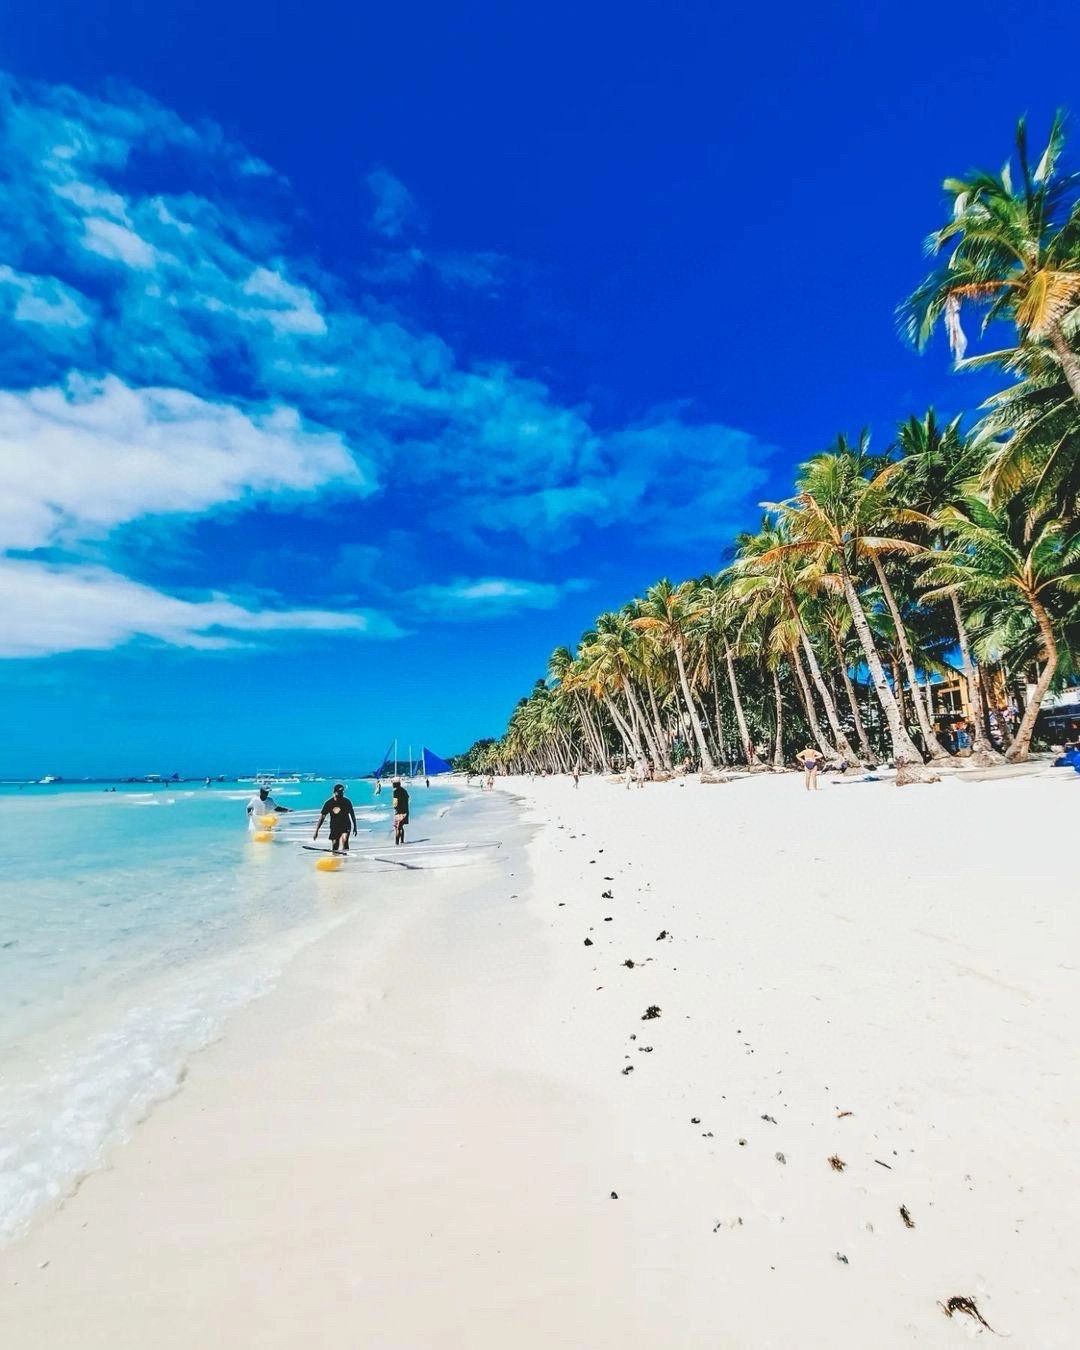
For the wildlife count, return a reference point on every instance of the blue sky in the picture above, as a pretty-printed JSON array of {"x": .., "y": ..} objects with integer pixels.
[{"x": 354, "y": 356}]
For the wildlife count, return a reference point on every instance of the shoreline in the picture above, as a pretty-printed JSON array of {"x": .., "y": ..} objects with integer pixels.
[{"x": 414, "y": 1137}]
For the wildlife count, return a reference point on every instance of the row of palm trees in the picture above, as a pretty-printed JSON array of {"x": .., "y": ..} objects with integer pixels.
[{"x": 955, "y": 549}]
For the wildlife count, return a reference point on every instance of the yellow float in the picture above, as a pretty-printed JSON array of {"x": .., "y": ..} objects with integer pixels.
[
  {"x": 331, "y": 864},
  {"x": 262, "y": 836},
  {"x": 268, "y": 821}
]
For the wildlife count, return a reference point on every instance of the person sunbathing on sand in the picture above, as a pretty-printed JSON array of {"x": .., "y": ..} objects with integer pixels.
[{"x": 811, "y": 760}]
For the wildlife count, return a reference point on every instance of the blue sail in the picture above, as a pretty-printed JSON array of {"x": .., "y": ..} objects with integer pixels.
[{"x": 433, "y": 764}]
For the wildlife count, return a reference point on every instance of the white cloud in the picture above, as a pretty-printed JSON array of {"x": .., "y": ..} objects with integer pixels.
[
  {"x": 77, "y": 461},
  {"x": 228, "y": 370},
  {"x": 45, "y": 610},
  {"x": 490, "y": 597},
  {"x": 43, "y": 300},
  {"x": 288, "y": 308},
  {"x": 117, "y": 242}
]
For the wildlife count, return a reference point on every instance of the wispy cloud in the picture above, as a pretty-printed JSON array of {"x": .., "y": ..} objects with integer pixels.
[
  {"x": 395, "y": 210},
  {"x": 215, "y": 366},
  {"x": 45, "y": 610},
  {"x": 470, "y": 598},
  {"x": 79, "y": 460}
]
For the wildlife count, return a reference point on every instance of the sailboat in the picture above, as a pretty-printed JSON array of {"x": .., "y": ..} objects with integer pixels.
[{"x": 429, "y": 765}]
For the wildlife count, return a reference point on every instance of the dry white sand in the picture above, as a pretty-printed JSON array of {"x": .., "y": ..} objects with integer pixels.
[{"x": 412, "y": 1142}]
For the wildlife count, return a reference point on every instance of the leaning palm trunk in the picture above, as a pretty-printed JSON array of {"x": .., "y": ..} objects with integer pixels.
[
  {"x": 934, "y": 748},
  {"x": 808, "y": 703},
  {"x": 595, "y": 743},
  {"x": 740, "y": 717},
  {"x": 707, "y": 764},
  {"x": 661, "y": 736},
  {"x": 843, "y": 745},
  {"x": 643, "y": 722},
  {"x": 853, "y": 700},
  {"x": 622, "y": 728},
  {"x": 982, "y": 749},
  {"x": 1021, "y": 746},
  {"x": 778, "y": 702},
  {"x": 719, "y": 738},
  {"x": 905, "y": 754},
  {"x": 641, "y": 738}
]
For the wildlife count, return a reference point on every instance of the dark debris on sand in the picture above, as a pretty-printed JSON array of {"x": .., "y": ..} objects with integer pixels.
[
  {"x": 909, "y": 1222},
  {"x": 837, "y": 1164},
  {"x": 651, "y": 1012},
  {"x": 962, "y": 1304}
]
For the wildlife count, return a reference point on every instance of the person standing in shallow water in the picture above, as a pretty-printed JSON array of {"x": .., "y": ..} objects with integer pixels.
[
  {"x": 401, "y": 811},
  {"x": 811, "y": 761},
  {"x": 339, "y": 811}
]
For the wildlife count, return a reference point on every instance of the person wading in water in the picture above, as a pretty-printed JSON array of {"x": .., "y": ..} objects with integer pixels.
[{"x": 401, "y": 811}]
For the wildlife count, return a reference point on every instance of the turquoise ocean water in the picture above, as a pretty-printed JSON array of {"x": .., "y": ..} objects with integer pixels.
[{"x": 131, "y": 922}]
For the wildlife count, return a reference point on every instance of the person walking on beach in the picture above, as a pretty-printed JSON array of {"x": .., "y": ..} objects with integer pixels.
[
  {"x": 811, "y": 761},
  {"x": 262, "y": 804},
  {"x": 401, "y": 811},
  {"x": 339, "y": 811}
]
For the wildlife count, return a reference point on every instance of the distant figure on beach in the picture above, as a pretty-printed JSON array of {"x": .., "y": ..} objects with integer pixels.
[
  {"x": 490, "y": 784},
  {"x": 339, "y": 811},
  {"x": 641, "y": 772},
  {"x": 262, "y": 804},
  {"x": 401, "y": 811},
  {"x": 577, "y": 775},
  {"x": 811, "y": 760},
  {"x": 378, "y": 787}
]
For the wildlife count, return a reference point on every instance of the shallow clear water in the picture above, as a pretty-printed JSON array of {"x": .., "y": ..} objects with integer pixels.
[{"x": 130, "y": 923}]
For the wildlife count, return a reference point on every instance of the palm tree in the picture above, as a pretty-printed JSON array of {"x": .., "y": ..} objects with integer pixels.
[
  {"x": 1004, "y": 560},
  {"x": 770, "y": 580},
  {"x": 827, "y": 523},
  {"x": 720, "y": 628},
  {"x": 1030, "y": 437},
  {"x": 1015, "y": 253},
  {"x": 669, "y": 612},
  {"x": 938, "y": 469}
]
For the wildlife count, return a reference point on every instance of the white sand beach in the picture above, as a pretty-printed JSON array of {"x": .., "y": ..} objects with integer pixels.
[{"x": 453, "y": 1125}]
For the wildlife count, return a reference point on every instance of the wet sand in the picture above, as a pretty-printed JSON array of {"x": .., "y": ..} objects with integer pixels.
[{"x": 806, "y": 1073}]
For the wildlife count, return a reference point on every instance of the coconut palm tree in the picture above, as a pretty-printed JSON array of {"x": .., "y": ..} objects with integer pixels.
[
  {"x": 828, "y": 523},
  {"x": 766, "y": 575},
  {"x": 939, "y": 468},
  {"x": 1013, "y": 244},
  {"x": 1004, "y": 561},
  {"x": 1029, "y": 436},
  {"x": 669, "y": 612}
]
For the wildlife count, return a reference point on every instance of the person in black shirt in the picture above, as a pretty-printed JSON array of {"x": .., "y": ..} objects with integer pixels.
[
  {"x": 401, "y": 811},
  {"x": 339, "y": 810}
]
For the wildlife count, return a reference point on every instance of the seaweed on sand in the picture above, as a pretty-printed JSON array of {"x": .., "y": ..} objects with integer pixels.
[{"x": 962, "y": 1304}]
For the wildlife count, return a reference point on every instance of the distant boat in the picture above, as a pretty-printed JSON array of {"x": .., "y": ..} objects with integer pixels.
[
  {"x": 433, "y": 764},
  {"x": 50, "y": 778}
]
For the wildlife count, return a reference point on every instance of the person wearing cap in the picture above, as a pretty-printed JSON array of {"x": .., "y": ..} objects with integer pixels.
[
  {"x": 261, "y": 805},
  {"x": 339, "y": 811},
  {"x": 401, "y": 811}
]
